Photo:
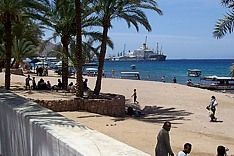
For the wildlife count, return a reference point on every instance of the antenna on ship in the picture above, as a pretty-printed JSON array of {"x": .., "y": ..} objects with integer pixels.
[
  {"x": 157, "y": 47},
  {"x": 161, "y": 51},
  {"x": 124, "y": 50},
  {"x": 145, "y": 40}
]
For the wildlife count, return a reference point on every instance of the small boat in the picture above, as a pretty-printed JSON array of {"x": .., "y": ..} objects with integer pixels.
[
  {"x": 130, "y": 75},
  {"x": 90, "y": 71},
  {"x": 194, "y": 72},
  {"x": 216, "y": 83},
  {"x": 133, "y": 66}
]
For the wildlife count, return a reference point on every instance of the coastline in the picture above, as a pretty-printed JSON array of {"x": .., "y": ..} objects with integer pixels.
[{"x": 182, "y": 105}]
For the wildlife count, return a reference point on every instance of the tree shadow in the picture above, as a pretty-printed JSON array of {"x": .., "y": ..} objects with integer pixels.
[{"x": 156, "y": 114}]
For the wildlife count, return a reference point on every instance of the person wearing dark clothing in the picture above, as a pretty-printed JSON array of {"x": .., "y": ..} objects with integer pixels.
[
  {"x": 41, "y": 84},
  {"x": 48, "y": 85},
  {"x": 27, "y": 84},
  {"x": 85, "y": 85},
  {"x": 34, "y": 83},
  {"x": 222, "y": 151},
  {"x": 174, "y": 80},
  {"x": 163, "y": 147},
  {"x": 59, "y": 86},
  {"x": 40, "y": 71},
  {"x": 134, "y": 95}
]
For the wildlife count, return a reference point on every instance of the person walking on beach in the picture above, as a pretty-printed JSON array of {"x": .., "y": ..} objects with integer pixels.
[
  {"x": 134, "y": 95},
  {"x": 186, "y": 150},
  {"x": 163, "y": 147},
  {"x": 212, "y": 108}
]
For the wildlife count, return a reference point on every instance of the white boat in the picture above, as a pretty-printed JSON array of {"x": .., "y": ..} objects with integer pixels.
[
  {"x": 130, "y": 75},
  {"x": 194, "y": 72},
  {"x": 141, "y": 54},
  {"x": 90, "y": 71},
  {"x": 217, "y": 83}
]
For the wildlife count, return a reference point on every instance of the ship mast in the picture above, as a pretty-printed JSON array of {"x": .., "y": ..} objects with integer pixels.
[
  {"x": 124, "y": 50},
  {"x": 157, "y": 47}
]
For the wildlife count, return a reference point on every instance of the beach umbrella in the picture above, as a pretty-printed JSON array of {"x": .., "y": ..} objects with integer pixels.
[
  {"x": 35, "y": 61},
  {"x": 27, "y": 60}
]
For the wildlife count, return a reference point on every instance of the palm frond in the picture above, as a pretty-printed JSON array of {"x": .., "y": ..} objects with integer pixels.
[{"x": 224, "y": 26}]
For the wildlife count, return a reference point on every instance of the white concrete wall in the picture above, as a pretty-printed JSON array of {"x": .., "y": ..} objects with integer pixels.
[{"x": 27, "y": 129}]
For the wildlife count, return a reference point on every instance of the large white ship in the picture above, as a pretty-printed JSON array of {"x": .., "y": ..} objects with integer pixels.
[{"x": 141, "y": 54}]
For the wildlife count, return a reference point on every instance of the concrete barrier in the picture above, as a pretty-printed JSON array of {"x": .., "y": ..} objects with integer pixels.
[{"x": 28, "y": 129}]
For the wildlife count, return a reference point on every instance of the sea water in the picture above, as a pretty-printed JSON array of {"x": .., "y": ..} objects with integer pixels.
[{"x": 155, "y": 70}]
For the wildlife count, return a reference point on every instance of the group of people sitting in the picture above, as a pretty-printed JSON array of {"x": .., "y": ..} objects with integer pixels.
[{"x": 42, "y": 85}]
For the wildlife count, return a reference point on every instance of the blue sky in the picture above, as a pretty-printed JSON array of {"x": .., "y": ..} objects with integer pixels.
[{"x": 184, "y": 31}]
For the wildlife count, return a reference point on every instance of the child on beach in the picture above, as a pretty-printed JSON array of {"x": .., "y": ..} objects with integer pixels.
[
  {"x": 134, "y": 95},
  {"x": 27, "y": 84}
]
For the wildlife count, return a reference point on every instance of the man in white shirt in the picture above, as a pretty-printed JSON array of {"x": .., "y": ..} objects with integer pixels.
[
  {"x": 212, "y": 107},
  {"x": 186, "y": 150}
]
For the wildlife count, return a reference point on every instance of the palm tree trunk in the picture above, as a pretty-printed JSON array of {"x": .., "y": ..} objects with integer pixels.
[
  {"x": 8, "y": 47},
  {"x": 101, "y": 60},
  {"x": 65, "y": 64},
  {"x": 79, "y": 82}
]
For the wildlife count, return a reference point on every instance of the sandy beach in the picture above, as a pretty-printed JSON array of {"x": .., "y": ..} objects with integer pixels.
[{"x": 183, "y": 106}]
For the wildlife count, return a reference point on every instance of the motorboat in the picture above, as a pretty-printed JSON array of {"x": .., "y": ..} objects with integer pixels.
[
  {"x": 90, "y": 71},
  {"x": 216, "y": 83},
  {"x": 130, "y": 75},
  {"x": 194, "y": 72}
]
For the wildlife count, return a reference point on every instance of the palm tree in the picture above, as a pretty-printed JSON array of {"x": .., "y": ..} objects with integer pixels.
[
  {"x": 78, "y": 65},
  {"x": 232, "y": 70},
  {"x": 226, "y": 24},
  {"x": 130, "y": 11},
  {"x": 62, "y": 21},
  {"x": 23, "y": 49},
  {"x": 13, "y": 11}
]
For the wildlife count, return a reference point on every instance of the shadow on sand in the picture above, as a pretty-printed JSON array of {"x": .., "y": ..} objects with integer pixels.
[{"x": 157, "y": 114}]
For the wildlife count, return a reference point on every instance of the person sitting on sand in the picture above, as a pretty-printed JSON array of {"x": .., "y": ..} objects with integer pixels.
[
  {"x": 48, "y": 85},
  {"x": 59, "y": 86},
  {"x": 186, "y": 150},
  {"x": 71, "y": 88},
  {"x": 41, "y": 85}
]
